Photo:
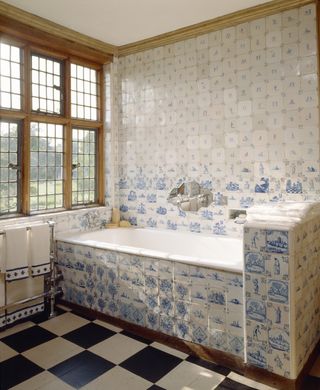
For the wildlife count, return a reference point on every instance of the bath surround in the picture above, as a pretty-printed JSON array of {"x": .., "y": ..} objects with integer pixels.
[
  {"x": 267, "y": 313},
  {"x": 162, "y": 291}
]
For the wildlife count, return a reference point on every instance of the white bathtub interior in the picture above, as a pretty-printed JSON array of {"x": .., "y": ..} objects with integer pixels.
[{"x": 192, "y": 248}]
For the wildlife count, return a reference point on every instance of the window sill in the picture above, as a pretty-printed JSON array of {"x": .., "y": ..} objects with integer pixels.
[{"x": 48, "y": 213}]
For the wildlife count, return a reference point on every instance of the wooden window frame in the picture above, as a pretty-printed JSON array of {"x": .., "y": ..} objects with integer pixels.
[{"x": 26, "y": 116}]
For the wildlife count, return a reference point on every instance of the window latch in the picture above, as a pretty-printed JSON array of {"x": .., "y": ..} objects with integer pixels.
[
  {"x": 14, "y": 166},
  {"x": 75, "y": 166}
]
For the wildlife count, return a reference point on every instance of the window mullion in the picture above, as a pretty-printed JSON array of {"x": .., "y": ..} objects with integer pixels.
[
  {"x": 25, "y": 150},
  {"x": 67, "y": 170}
]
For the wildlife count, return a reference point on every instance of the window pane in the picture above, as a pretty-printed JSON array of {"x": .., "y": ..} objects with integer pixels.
[
  {"x": 83, "y": 166},
  {"x": 46, "y": 85},
  {"x": 46, "y": 166},
  {"x": 84, "y": 92},
  {"x": 10, "y": 77},
  {"x": 9, "y": 168}
]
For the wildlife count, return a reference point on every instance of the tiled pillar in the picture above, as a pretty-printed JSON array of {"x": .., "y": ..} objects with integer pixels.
[{"x": 269, "y": 339}]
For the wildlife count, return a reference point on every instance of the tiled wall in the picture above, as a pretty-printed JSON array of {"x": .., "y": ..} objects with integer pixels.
[
  {"x": 193, "y": 303},
  {"x": 236, "y": 110},
  {"x": 269, "y": 333},
  {"x": 306, "y": 303},
  {"x": 282, "y": 282},
  {"x": 75, "y": 220}
]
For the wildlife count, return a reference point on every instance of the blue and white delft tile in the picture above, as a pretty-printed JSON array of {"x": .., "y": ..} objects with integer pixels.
[
  {"x": 254, "y": 239},
  {"x": 137, "y": 280},
  {"x": 256, "y": 310},
  {"x": 235, "y": 298},
  {"x": 199, "y": 313},
  {"x": 182, "y": 291},
  {"x": 278, "y": 291},
  {"x": 181, "y": 272},
  {"x": 166, "y": 306},
  {"x": 151, "y": 284},
  {"x": 257, "y": 355},
  {"x": 256, "y": 286},
  {"x": 152, "y": 320},
  {"x": 137, "y": 314},
  {"x": 198, "y": 275},
  {"x": 165, "y": 287},
  {"x": 151, "y": 267},
  {"x": 217, "y": 298},
  {"x": 279, "y": 339},
  {"x": 167, "y": 325},
  {"x": 198, "y": 293},
  {"x": 256, "y": 332},
  {"x": 183, "y": 330},
  {"x": 152, "y": 302},
  {"x": 218, "y": 340},
  {"x": 233, "y": 280},
  {"x": 216, "y": 278},
  {"x": 234, "y": 321},
  {"x": 165, "y": 269},
  {"x": 136, "y": 263},
  {"x": 278, "y": 315},
  {"x": 277, "y": 241},
  {"x": 278, "y": 266},
  {"x": 182, "y": 310},
  {"x": 279, "y": 363},
  {"x": 217, "y": 319},
  {"x": 124, "y": 261},
  {"x": 236, "y": 345},
  {"x": 255, "y": 262},
  {"x": 199, "y": 333}
]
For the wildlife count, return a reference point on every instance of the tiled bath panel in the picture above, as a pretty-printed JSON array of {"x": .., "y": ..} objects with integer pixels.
[
  {"x": 196, "y": 304},
  {"x": 235, "y": 110},
  {"x": 281, "y": 295}
]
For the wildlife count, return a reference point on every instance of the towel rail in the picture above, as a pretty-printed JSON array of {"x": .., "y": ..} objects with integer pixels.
[{"x": 52, "y": 291}]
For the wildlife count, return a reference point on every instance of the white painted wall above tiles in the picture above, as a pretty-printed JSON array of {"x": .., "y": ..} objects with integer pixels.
[{"x": 236, "y": 110}]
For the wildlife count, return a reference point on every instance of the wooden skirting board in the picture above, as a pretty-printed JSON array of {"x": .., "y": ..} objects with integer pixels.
[{"x": 218, "y": 357}]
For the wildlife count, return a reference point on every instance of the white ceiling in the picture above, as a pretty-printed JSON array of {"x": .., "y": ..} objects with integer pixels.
[{"x": 125, "y": 21}]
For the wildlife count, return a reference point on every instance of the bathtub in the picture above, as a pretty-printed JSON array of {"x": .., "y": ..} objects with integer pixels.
[
  {"x": 185, "y": 285},
  {"x": 223, "y": 253}
]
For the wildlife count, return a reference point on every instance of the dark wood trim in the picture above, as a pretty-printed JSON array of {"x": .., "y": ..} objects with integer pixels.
[
  {"x": 101, "y": 149},
  {"x": 218, "y": 357}
]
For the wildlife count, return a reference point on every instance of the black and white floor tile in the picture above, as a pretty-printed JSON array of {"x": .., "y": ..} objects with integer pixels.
[{"x": 73, "y": 352}]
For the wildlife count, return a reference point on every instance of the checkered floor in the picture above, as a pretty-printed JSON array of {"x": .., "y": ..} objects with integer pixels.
[{"x": 73, "y": 352}]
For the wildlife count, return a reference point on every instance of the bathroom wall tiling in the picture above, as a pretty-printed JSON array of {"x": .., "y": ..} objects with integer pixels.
[
  {"x": 281, "y": 285},
  {"x": 68, "y": 221},
  {"x": 235, "y": 110}
]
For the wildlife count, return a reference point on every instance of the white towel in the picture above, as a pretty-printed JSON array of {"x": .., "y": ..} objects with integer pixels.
[
  {"x": 16, "y": 253},
  {"x": 40, "y": 249},
  {"x": 2, "y": 262},
  {"x": 2, "y": 301},
  {"x": 289, "y": 209}
]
